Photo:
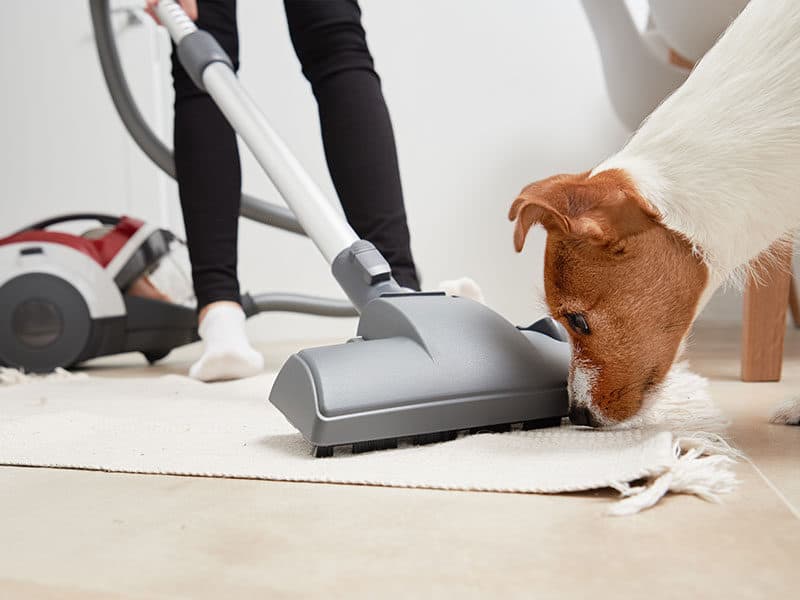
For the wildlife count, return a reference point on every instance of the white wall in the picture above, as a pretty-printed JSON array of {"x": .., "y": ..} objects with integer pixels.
[
  {"x": 63, "y": 148},
  {"x": 484, "y": 98}
]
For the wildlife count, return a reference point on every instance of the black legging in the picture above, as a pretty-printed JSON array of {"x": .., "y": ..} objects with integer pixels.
[{"x": 356, "y": 132}]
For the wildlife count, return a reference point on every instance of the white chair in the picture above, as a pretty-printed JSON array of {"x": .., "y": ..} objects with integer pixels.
[
  {"x": 635, "y": 64},
  {"x": 639, "y": 66}
]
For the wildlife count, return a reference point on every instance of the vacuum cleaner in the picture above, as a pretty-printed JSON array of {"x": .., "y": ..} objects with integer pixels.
[
  {"x": 65, "y": 298},
  {"x": 422, "y": 366}
]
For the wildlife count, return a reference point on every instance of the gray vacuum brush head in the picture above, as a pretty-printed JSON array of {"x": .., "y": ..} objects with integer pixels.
[{"x": 424, "y": 364}]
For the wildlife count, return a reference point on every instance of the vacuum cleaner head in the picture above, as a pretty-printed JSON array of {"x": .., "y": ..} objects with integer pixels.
[
  {"x": 424, "y": 367},
  {"x": 63, "y": 297}
]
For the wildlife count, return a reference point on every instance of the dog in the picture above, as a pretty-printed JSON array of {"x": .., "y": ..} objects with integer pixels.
[{"x": 706, "y": 187}]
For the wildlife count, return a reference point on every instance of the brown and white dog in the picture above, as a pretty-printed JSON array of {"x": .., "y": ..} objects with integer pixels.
[{"x": 709, "y": 182}]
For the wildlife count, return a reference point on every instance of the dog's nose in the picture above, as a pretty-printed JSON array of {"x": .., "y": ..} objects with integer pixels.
[{"x": 581, "y": 415}]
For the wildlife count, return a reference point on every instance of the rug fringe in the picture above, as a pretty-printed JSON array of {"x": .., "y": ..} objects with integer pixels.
[
  {"x": 9, "y": 376},
  {"x": 787, "y": 413},
  {"x": 703, "y": 466}
]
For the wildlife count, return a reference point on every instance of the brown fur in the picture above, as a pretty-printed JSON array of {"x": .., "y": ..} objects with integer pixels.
[{"x": 609, "y": 258}]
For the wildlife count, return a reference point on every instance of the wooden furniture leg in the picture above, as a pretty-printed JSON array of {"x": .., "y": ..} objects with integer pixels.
[
  {"x": 794, "y": 301},
  {"x": 764, "y": 323}
]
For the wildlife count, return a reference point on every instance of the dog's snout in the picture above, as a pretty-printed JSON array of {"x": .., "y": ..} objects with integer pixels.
[{"x": 581, "y": 415}]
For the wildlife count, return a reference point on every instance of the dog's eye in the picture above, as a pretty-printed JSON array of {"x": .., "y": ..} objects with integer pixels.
[{"x": 578, "y": 323}]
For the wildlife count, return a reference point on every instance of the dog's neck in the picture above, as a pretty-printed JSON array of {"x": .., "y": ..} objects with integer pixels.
[{"x": 720, "y": 158}]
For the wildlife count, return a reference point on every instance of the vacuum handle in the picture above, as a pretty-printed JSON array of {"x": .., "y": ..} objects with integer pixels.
[
  {"x": 102, "y": 218},
  {"x": 211, "y": 70},
  {"x": 175, "y": 19}
]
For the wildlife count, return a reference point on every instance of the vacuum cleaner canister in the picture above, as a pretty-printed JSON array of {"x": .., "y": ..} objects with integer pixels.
[
  {"x": 63, "y": 297},
  {"x": 424, "y": 367}
]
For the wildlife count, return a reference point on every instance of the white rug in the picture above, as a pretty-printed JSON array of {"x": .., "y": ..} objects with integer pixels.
[{"x": 174, "y": 425}]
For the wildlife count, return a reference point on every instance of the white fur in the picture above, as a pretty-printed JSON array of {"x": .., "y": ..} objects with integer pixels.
[
  {"x": 787, "y": 413},
  {"x": 582, "y": 378},
  {"x": 464, "y": 287},
  {"x": 720, "y": 158}
]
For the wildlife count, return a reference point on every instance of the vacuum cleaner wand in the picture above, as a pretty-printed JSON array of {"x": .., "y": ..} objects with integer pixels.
[{"x": 423, "y": 365}]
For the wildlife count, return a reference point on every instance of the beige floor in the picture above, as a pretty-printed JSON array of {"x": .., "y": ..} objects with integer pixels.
[{"x": 74, "y": 534}]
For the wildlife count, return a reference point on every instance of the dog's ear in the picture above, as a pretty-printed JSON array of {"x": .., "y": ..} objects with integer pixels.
[
  {"x": 532, "y": 207},
  {"x": 602, "y": 210}
]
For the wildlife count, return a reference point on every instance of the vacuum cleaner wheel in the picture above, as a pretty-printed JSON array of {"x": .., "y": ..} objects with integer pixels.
[
  {"x": 156, "y": 355},
  {"x": 44, "y": 323}
]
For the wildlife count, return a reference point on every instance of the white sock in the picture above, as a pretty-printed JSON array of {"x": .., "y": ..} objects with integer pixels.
[{"x": 227, "y": 354}]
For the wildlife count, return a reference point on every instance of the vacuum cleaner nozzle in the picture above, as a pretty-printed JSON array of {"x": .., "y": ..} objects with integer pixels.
[{"x": 423, "y": 367}]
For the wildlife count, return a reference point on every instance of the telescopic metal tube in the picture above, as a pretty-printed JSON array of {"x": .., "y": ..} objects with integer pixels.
[{"x": 319, "y": 218}]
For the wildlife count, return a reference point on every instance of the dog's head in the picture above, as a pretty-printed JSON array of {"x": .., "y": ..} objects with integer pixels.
[{"x": 625, "y": 287}]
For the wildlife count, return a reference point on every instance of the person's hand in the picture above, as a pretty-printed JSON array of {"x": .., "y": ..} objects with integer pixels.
[{"x": 188, "y": 6}]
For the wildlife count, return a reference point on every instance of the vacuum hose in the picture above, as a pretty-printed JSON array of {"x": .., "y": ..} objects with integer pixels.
[{"x": 310, "y": 305}]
